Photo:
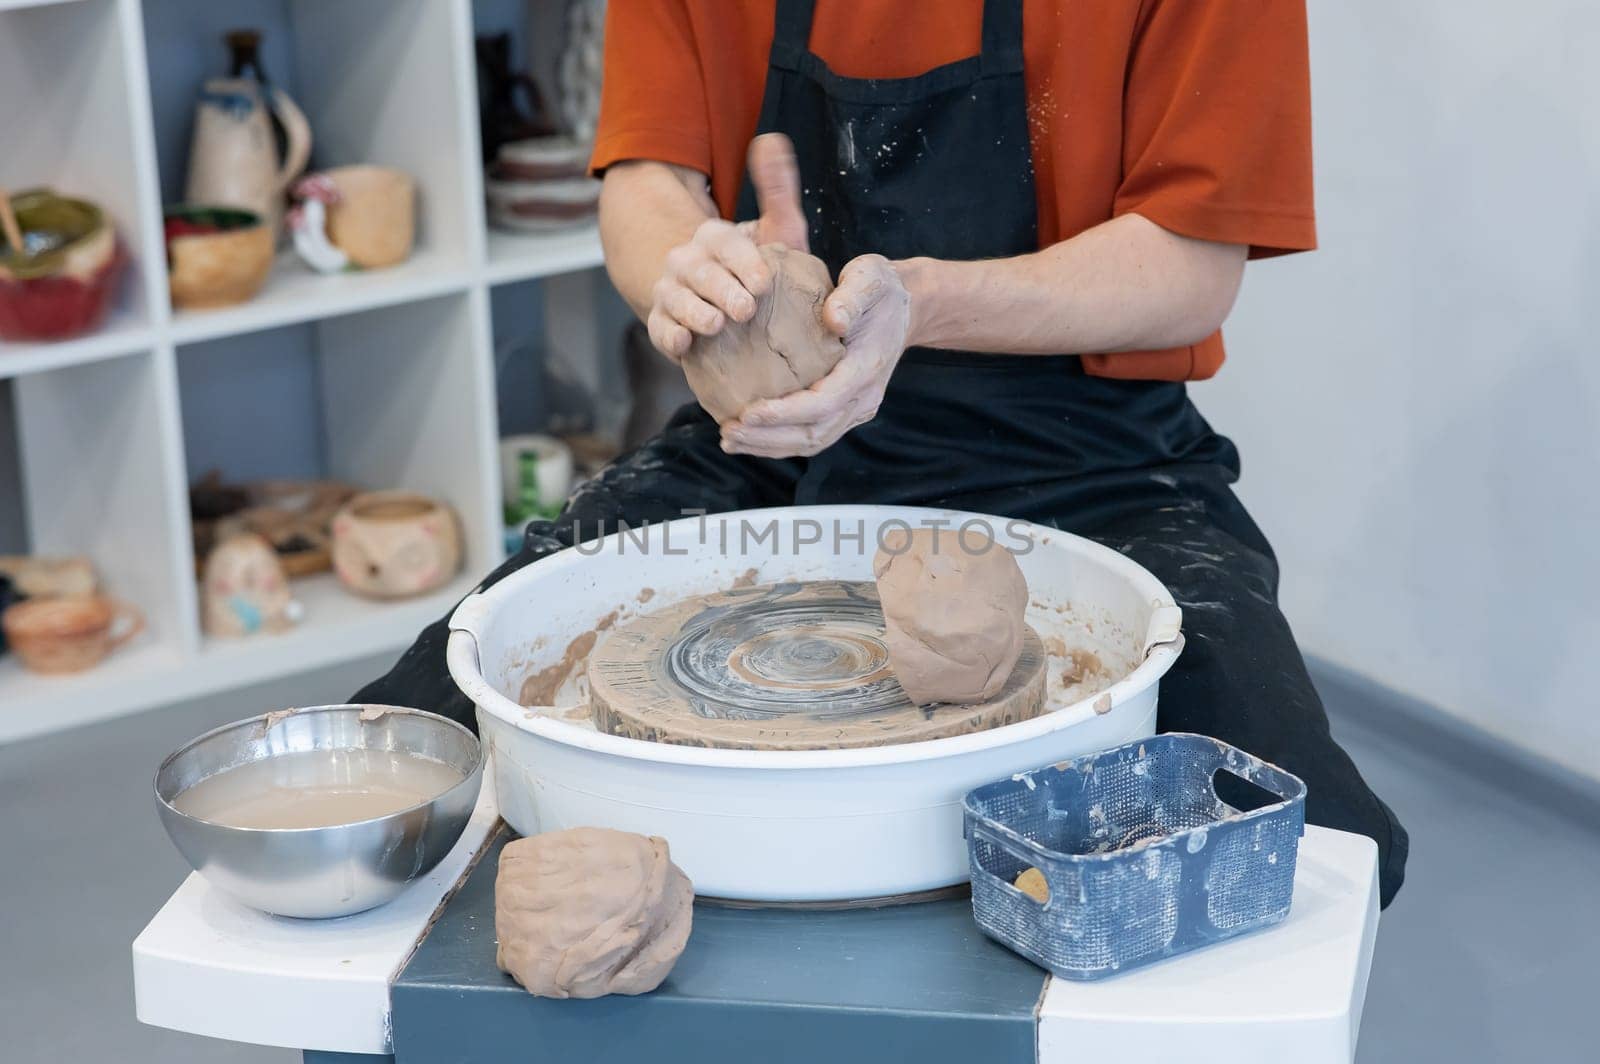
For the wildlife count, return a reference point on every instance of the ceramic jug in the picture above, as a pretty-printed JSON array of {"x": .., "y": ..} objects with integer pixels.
[{"x": 233, "y": 159}]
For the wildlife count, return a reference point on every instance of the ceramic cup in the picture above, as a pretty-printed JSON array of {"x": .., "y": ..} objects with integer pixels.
[
  {"x": 64, "y": 635},
  {"x": 393, "y": 544},
  {"x": 552, "y": 471},
  {"x": 364, "y": 215}
]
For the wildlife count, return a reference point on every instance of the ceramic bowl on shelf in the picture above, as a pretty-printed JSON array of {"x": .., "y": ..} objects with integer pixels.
[
  {"x": 542, "y": 159},
  {"x": 66, "y": 635},
  {"x": 395, "y": 544},
  {"x": 63, "y": 279},
  {"x": 542, "y": 206},
  {"x": 216, "y": 256}
]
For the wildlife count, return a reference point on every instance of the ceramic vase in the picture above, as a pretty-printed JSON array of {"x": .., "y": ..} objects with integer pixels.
[
  {"x": 501, "y": 116},
  {"x": 234, "y": 158}
]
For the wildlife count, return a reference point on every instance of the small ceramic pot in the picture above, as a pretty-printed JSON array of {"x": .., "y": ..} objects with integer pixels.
[
  {"x": 393, "y": 544},
  {"x": 65, "y": 635},
  {"x": 355, "y": 216},
  {"x": 64, "y": 278},
  {"x": 216, "y": 256}
]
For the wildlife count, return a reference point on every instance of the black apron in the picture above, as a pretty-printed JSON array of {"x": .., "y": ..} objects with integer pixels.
[{"x": 940, "y": 165}]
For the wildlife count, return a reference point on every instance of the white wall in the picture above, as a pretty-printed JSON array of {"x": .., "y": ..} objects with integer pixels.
[{"x": 1418, "y": 402}]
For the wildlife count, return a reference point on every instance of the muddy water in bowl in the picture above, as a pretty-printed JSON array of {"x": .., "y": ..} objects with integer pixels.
[
  {"x": 320, "y": 811},
  {"x": 317, "y": 789}
]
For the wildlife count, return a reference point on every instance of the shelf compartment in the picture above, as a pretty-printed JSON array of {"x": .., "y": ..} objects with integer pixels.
[
  {"x": 96, "y": 447},
  {"x": 69, "y": 125},
  {"x": 407, "y": 398},
  {"x": 377, "y": 80},
  {"x": 384, "y": 398}
]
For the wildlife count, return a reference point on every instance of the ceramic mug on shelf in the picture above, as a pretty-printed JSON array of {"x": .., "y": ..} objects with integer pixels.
[
  {"x": 394, "y": 544},
  {"x": 354, "y": 216},
  {"x": 65, "y": 635}
]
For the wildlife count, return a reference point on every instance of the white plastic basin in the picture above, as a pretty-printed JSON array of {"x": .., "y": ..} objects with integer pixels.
[{"x": 808, "y": 825}]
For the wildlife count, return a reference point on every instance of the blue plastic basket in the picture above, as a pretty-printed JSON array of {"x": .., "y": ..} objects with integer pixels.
[{"x": 1142, "y": 859}]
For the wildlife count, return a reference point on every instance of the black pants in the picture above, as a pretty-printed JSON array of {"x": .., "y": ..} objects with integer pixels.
[{"x": 1240, "y": 677}]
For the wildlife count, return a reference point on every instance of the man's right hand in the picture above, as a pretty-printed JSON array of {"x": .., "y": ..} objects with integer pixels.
[{"x": 719, "y": 273}]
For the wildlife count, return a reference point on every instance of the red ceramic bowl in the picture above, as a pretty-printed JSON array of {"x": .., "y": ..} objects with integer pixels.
[{"x": 64, "y": 279}]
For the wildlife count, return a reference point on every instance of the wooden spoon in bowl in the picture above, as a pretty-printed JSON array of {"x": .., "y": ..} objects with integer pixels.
[{"x": 8, "y": 224}]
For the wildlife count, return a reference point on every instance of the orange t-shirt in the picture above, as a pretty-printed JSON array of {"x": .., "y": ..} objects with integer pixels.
[{"x": 1192, "y": 113}]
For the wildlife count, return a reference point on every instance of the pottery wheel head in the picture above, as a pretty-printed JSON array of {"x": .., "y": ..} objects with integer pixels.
[
  {"x": 773, "y": 655},
  {"x": 790, "y": 666}
]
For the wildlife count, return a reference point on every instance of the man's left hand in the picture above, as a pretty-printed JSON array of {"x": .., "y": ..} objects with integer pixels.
[{"x": 870, "y": 311}]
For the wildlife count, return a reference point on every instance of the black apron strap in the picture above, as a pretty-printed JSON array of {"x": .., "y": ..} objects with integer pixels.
[
  {"x": 791, "y": 33},
  {"x": 1002, "y": 37},
  {"x": 1001, "y": 49}
]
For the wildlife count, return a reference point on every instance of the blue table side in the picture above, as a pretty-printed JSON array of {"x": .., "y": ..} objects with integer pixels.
[{"x": 915, "y": 982}]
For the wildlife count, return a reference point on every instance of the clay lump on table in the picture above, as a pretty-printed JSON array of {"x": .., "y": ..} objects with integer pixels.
[{"x": 589, "y": 911}]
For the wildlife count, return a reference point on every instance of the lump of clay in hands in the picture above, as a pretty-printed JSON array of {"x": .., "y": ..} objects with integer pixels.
[
  {"x": 783, "y": 348},
  {"x": 953, "y": 607},
  {"x": 589, "y": 911}
]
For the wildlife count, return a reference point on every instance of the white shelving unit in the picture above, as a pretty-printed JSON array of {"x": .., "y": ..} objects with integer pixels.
[{"x": 404, "y": 366}]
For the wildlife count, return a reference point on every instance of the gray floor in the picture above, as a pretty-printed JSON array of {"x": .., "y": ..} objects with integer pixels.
[{"x": 1487, "y": 956}]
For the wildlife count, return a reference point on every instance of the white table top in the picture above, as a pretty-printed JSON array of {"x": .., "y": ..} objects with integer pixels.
[
  {"x": 1291, "y": 993},
  {"x": 210, "y": 966}
]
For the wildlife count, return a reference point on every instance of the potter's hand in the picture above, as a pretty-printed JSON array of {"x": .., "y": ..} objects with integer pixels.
[
  {"x": 719, "y": 273},
  {"x": 870, "y": 311}
]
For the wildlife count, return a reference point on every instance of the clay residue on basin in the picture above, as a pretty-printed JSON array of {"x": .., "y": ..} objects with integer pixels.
[
  {"x": 1083, "y": 663},
  {"x": 543, "y": 687}
]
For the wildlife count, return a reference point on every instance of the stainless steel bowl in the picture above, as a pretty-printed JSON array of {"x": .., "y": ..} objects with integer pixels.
[{"x": 326, "y": 871}]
